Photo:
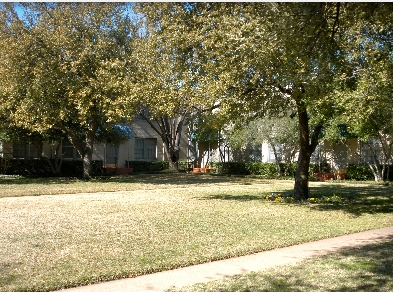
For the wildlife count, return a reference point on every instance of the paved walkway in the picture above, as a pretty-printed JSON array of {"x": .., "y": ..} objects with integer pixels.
[{"x": 240, "y": 265}]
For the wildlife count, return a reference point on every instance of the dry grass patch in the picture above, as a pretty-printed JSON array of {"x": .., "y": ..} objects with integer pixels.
[{"x": 21, "y": 186}]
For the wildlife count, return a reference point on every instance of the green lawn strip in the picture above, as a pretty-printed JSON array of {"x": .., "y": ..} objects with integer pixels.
[
  {"x": 51, "y": 242},
  {"x": 368, "y": 268}
]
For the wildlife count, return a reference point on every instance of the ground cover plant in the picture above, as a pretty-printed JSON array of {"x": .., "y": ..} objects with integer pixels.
[
  {"x": 368, "y": 268},
  {"x": 127, "y": 226}
]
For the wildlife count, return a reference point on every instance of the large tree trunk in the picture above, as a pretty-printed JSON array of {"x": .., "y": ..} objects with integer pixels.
[
  {"x": 307, "y": 147},
  {"x": 88, "y": 155},
  {"x": 301, "y": 177},
  {"x": 172, "y": 140},
  {"x": 85, "y": 149},
  {"x": 173, "y": 155},
  {"x": 303, "y": 163}
]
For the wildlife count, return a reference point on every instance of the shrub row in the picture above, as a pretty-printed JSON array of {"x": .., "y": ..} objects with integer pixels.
[
  {"x": 363, "y": 172},
  {"x": 265, "y": 169},
  {"x": 269, "y": 170},
  {"x": 155, "y": 166},
  {"x": 147, "y": 166},
  {"x": 41, "y": 167},
  {"x": 359, "y": 172},
  {"x": 74, "y": 168}
]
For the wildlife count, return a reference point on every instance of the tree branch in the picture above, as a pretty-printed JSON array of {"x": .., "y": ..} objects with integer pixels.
[{"x": 336, "y": 20}]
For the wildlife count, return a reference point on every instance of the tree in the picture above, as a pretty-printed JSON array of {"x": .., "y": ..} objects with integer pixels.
[
  {"x": 170, "y": 79},
  {"x": 254, "y": 66},
  {"x": 366, "y": 94},
  {"x": 66, "y": 66},
  {"x": 276, "y": 132},
  {"x": 265, "y": 59}
]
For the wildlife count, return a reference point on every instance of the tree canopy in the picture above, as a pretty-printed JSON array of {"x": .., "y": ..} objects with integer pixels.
[{"x": 66, "y": 66}]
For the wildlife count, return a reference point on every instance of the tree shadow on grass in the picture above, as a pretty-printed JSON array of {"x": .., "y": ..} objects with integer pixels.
[
  {"x": 368, "y": 268},
  {"x": 240, "y": 198},
  {"x": 156, "y": 179},
  {"x": 371, "y": 267},
  {"x": 357, "y": 200}
]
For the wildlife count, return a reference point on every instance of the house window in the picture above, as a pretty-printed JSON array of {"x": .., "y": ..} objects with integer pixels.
[
  {"x": 145, "y": 148},
  {"x": 24, "y": 150},
  {"x": 69, "y": 151}
]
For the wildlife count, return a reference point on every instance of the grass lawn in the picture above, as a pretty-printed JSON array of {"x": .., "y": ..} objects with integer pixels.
[
  {"x": 51, "y": 238},
  {"x": 366, "y": 269}
]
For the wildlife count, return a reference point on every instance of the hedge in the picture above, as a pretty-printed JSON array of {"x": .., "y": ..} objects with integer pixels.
[
  {"x": 74, "y": 168},
  {"x": 265, "y": 169},
  {"x": 155, "y": 166},
  {"x": 41, "y": 168},
  {"x": 363, "y": 172},
  {"x": 147, "y": 166}
]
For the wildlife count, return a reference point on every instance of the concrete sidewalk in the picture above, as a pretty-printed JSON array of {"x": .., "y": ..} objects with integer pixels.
[{"x": 240, "y": 265}]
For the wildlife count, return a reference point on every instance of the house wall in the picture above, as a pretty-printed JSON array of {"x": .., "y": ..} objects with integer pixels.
[
  {"x": 353, "y": 145},
  {"x": 140, "y": 129},
  {"x": 340, "y": 154}
]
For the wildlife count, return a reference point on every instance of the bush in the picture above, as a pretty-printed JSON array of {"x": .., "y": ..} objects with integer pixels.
[
  {"x": 363, "y": 172},
  {"x": 27, "y": 167},
  {"x": 265, "y": 169},
  {"x": 147, "y": 166},
  {"x": 155, "y": 166},
  {"x": 184, "y": 165},
  {"x": 41, "y": 168},
  {"x": 323, "y": 167},
  {"x": 359, "y": 172},
  {"x": 262, "y": 169},
  {"x": 289, "y": 169}
]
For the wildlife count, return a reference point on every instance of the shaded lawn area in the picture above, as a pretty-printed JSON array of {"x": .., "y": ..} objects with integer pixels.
[
  {"x": 368, "y": 268},
  {"x": 156, "y": 223},
  {"x": 371, "y": 198},
  {"x": 23, "y": 186}
]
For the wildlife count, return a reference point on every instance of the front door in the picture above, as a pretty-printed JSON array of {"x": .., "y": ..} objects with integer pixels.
[{"x": 112, "y": 153}]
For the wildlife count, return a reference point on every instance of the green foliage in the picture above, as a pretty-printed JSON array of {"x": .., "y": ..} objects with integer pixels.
[
  {"x": 359, "y": 172},
  {"x": 363, "y": 172},
  {"x": 147, "y": 166},
  {"x": 264, "y": 169},
  {"x": 324, "y": 167},
  {"x": 155, "y": 166},
  {"x": 282, "y": 131},
  {"x": 115, "y": 135},
  {"x": 66, "y": 66}
]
